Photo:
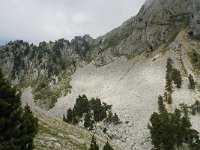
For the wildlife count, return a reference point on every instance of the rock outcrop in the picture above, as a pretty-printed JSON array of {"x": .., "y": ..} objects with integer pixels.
[{"x": 158, "y": 22}]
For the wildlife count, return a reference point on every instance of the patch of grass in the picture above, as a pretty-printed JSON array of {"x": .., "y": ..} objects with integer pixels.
[
  {"x": 44, "y": 129},
  {"x": 46, "y": 92}
]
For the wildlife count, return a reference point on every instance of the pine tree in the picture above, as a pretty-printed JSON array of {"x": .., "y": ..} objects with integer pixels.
[
  {"x": 93, "y": 145},
  {"x": 165, "y": 97},
  {"x": 170, "y": 130},
  {"x": 69, "y": 118},
  {"x": 161, "y": 105},
  {"x": 169, "y": 67},
  {"x": 28, "y": 129},
  {"x": 81, "y": 106},
  {"x": 107, "y": 146},
  {"x": 191, "y": 82},
  {"x": 176, "y": 76},
  {"x": 169, "y": 99},
  {"x": 88, "y": 122},
  {"x": 18, "y": 126}
]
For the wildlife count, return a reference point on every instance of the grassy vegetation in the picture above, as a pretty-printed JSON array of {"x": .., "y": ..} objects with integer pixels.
[
  {"x": 46, "y": 92},
  {"x": 45, "y": 131}
]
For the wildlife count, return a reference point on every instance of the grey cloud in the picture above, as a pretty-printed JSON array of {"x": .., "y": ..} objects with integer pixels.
[{"x": 44, "y": 20}]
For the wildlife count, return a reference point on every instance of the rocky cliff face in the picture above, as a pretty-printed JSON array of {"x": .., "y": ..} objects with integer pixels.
[{"x": 158, "y": 22}]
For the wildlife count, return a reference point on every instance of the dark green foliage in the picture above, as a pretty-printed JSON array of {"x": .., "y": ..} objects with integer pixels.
[
  {"x": 88, "y": 122},
  {"x": 165, "y": 97},
  {"x": 104, "y": 130},
  {"x": 92, "y": 111},
  {"x": 93, "y": 145},
  {"x": 18, "y": 126},
  {"x": 194, "y": 109},
  {"x": 191, "y": 82},
  {"x": 98, "y": 109},
  {"x": 169, "y": 99},
  {"x": 112, "y": 118},
  {"x": 81, "y": 106},
  {"x": 161, "y": 105},
  {"x": 69, "y": 118},
  {"x": 172, "y": 75},
  {"x": 17, "y": 65},
  {"x": 74, "y": 117},
  {"x": 176, "y": 76},
  {"x": 171, "y": 130},
  {"x": 197, "y": 106},
  {"x": 169, "y": 67},
  {"x": 107, "y": 146}
]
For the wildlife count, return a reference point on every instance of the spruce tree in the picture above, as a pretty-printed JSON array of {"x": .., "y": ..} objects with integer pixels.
[
  {"x": 18, "y": 126},
  {"x": 107, "y": 146},
  {"x": 93, "y": 145}
]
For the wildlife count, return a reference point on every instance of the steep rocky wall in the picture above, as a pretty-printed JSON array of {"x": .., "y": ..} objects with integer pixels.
[{"x": 158, "y": 22}]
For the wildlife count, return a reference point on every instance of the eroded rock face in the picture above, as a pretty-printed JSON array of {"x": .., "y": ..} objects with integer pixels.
[
  {"x": 195, "y": 18},
  {"x": 158, "y": 22}
]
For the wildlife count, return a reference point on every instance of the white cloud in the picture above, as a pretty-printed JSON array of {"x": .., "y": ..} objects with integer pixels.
[{"x": 44, "y": 20}]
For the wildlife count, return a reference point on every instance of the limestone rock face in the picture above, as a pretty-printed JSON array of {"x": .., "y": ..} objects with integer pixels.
[
  {"x": 158, "y": 22},
  {"x": 195, "y": 18}
]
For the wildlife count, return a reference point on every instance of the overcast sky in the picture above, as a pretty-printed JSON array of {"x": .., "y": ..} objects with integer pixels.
[{"x": 44, "y": 20}]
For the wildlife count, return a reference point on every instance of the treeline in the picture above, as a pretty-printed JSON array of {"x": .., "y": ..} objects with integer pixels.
[
  {"x": 92, "y": 111},
  {"x": 170, "y": 130}
]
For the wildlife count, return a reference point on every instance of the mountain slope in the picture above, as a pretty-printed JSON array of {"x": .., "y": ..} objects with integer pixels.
[
  {"x": 55, "y": 134},
  {"x": 126, "y": 68}
]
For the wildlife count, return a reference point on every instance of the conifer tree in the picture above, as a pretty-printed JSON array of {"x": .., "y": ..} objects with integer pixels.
[
  {"x": 69, "y": 118},
  {"x": 161, "y": 105},
  {"x": 87, "y": 121},
  {"x": 93, "y": 145},
  {"x": 169, "y": 67},
  {"x": 169, "y": 99},
  {"x": 18, "y": 126},
  {"x": 171, "y": 130},
  {"x": 176, "y": 76}
]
